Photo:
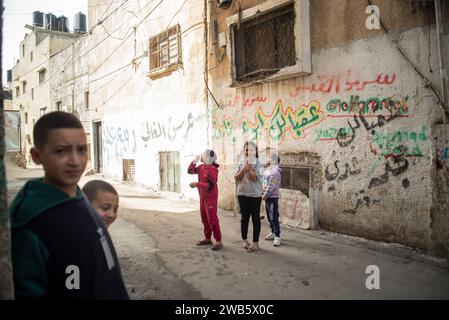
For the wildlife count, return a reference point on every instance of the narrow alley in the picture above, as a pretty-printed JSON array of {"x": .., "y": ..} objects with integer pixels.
[{"x": 155, "y": 238}]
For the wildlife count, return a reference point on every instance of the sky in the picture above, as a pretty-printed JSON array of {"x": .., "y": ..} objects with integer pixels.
[{"x": 18, "y": 13}]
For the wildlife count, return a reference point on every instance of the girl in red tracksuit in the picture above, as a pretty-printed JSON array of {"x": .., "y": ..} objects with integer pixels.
[{"x": 208, "y": 190}]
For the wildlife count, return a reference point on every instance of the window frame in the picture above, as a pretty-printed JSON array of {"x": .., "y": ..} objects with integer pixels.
[
  {"x": 160, "y": 38},
  {"x": 86, "y": 100},
  {"x": 303, "y": 64},
  {"x": 58, "y": 105},
  {"x": 292, "y": 168},
  {"x": 44, "y": 72}
]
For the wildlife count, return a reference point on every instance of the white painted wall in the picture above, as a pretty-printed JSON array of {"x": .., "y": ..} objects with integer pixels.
[{"x": 142, "y": 117}]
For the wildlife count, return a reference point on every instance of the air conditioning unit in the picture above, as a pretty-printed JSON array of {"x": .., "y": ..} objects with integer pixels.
[{"x": 224, "y": 4}]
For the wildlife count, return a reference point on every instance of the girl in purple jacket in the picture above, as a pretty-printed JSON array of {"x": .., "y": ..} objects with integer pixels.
[{"x": 270, "y": 193}]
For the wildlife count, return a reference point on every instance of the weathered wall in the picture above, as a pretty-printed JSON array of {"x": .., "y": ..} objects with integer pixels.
[
  {"x": 376, "y": 179},
  {"x": 140, "y": 116},
  {"x": 439, "y": 213}
]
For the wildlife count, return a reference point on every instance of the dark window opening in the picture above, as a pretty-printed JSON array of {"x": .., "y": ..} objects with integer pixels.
[{"x": 296, "y": 179}]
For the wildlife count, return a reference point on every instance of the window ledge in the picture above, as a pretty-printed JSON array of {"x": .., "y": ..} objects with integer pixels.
[
  {"x": 285, "y": 73},
  {"x": 163, "y": 72}
]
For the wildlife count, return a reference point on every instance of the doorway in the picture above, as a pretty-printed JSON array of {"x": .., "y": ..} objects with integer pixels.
[
  {"x": 170, "y": 169},
  {"x": 98, "y": 147}
]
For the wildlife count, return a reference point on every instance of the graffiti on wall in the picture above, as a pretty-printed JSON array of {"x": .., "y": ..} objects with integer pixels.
[
  {"x": 399, "y": 142},
  {"x": 328, "y": 134},
  {"x": 343, "y": 82},
  {"x": 363, "y": 199},
  {"x": 166, "y": 129},
  {"x": 119, "y": 141},
  {"x": 273, "y": 126},
  {"x": 344, "y": 138},
  {"x": 281, "y": 121},
  {"x": 244, "y": 101},
  {"x": 337, "y": 171},
  {"x": 367, "y": 107},
  {"x": 394, "y": 166}
]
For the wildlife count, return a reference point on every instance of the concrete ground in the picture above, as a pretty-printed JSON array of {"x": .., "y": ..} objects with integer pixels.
[{"x": 155, "y": 238}]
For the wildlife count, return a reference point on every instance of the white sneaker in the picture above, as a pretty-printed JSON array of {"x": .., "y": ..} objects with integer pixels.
[
  {"x": 277, "y": 241},
  {"x": 270, "y": 236}
]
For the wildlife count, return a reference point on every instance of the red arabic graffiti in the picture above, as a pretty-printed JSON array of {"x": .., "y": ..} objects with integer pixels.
[
  {"x": 341, "y": 82},
  {"x": 246, "y": 102}
]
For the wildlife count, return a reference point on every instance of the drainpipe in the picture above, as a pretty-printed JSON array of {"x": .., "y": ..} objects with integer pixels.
[
  {"x": 442, "y": 55},
  {"x": 206, "y": 78}
]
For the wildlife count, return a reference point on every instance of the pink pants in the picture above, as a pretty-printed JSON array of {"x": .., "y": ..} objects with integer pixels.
[{"x": 209, "y": 217}]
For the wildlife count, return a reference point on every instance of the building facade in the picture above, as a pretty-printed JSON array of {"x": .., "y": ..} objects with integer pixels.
[
  {"x": 30, "y": 80},
  {"x": 348, "y": 103},
  {"x": 147, "y": 92}
]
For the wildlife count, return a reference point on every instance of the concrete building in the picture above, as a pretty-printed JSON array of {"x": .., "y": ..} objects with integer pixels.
[
  {"x": 30, "y": 80},
  {"x": 147, "y": 91},
  {"x": 69, "y": 80},
  {"x": 347, "y": 102}
]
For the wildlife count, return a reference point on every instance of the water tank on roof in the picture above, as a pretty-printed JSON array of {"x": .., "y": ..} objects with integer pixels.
[
  {"x": 51, "y": 22},
  {"x": 224, "y": 4},
  {"x": 38, "y": 19},
  {"x": 63, "y": 23},
  {"x": 79, "y": 23}
]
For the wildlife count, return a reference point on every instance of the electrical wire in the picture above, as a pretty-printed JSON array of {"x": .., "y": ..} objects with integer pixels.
[{"x": 427, "y": 84}]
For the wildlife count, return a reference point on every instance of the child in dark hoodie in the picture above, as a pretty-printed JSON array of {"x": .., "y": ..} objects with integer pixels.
[
  {"x": 270, "y": 193},
  {"x": 208, "y": 190},
  {"x": 60, "y": 247}
]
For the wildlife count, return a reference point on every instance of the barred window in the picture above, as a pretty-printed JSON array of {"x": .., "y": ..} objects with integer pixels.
[
  {"x": 165, "y": 51},
  {"x": 264, "y": 44}
]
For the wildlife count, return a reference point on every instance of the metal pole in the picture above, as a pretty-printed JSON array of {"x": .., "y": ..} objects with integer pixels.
[
  {"x": 442, "y": 56},
  {"x": 6, "y": 283}
]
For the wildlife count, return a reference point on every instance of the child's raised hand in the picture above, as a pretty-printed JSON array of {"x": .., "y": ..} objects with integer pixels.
[
  {"x": 192, "y": 184},
  {"x": 196, "y": 159}
]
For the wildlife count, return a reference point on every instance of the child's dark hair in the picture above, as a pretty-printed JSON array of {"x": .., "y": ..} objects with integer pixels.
[
  {"x": 91, "y": 188},
  {"x": 50, "y": 121},
  {"x": 250, "y": 143}
]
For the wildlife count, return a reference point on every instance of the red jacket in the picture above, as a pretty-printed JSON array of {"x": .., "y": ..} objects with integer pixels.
[{"x": 207, "y": 179}]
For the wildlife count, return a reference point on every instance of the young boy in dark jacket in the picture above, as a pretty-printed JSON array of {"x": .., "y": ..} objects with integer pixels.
[
  {"x": 208, "y": 190},
  {"x": 60, "y": 247}
]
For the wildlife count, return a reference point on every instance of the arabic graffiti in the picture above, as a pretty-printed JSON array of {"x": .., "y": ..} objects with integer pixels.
[
  {"x": 395, "y": 166},
  {"x": 118, "y": 142},
  {"x": 280, "y": 121},
  {"x": 245, "y": 102},
  {"x": 330, "y": 176},
  {"x": 156, "y": 129},
  {"x": 341, "y": 82},
  {"x": 362, "y": 199},
  {"x": 274, "y": 125},
  {"x": 345, "y": 138},
  {"x": 340, "y": 108},
  {"x": 223, "y": 129}
]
